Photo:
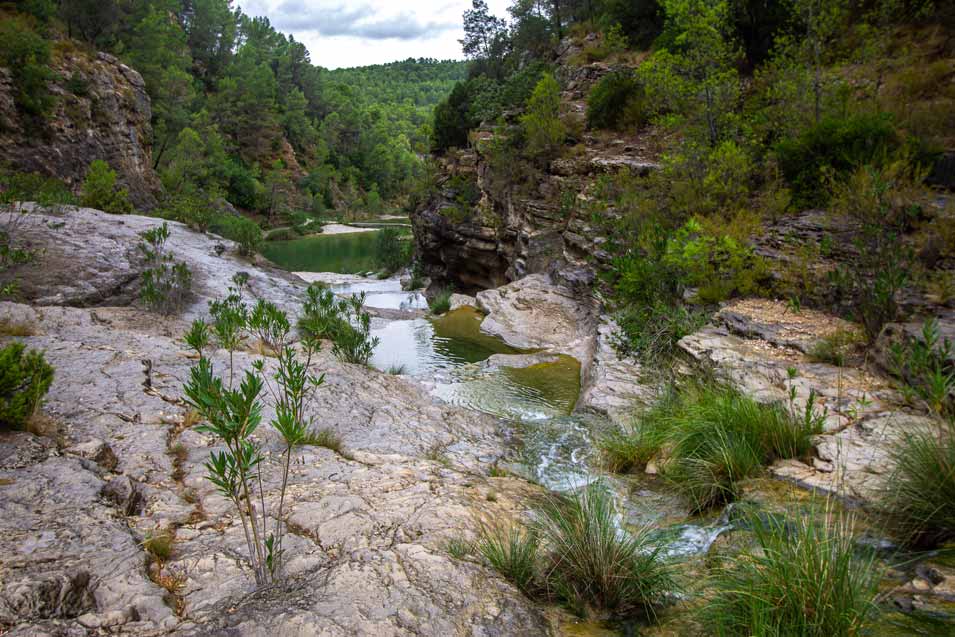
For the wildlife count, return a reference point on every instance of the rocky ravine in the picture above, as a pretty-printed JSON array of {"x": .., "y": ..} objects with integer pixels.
[{"x": 119, "y": 461}]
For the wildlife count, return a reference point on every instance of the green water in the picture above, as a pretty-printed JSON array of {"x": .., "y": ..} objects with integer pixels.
[{"x": 346, "y": 253}]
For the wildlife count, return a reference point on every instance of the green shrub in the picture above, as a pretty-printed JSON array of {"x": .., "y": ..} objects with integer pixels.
[
  {"x": 833, "y": 148},
  {"x": 440, "y": 302},
  {"x": 836, "y": 347},
  {"x": 46, "y": 191},
  {"x": 512, "y": 551},
  {"x": 25, "y": 377},
  {"x": 166, "y": 283},
  {"x": 591, "y": 563},
  {"x": 804, "y": 577},
  {"x": 99, "y": 190},
  {"x": 616, "y": 102},
  {"x": 321, "y": 313},
  {"x": 715, "y": 437},
  {"x": 269, "y": 324},
  {"x": 196, "y": 210},
  {"x": 919, "y": 496},
  {"x": 352, "y": 342},
  {"x": 242, "y": 230},
  {"x": 544, "y": 131},
  {"x": 27, "y": 55},
  {"x": 924, "y": 364}
]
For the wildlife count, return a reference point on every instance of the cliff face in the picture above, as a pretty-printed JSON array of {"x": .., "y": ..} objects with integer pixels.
[
  {"x": 101, "y": 111},
  {"x": 492, "y": 221}
]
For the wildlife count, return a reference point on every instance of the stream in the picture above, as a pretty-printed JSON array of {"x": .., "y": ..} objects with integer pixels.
[{"x": 535, "y": 395}]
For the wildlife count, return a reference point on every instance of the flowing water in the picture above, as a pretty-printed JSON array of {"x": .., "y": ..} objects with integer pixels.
[{"x": 535, "y": 394}]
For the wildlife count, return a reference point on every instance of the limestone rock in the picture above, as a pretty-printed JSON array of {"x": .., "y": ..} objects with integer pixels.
[{"x": 110, "y": 121}]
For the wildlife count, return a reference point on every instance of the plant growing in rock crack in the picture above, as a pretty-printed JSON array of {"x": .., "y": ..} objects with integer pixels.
[
  {"x": 269, "y": 324},
  {"x": 924, "y": 364},
  {"x": 25, "y": 377},
  {"x": 234, "y": 415},
  {"x": 344, "y": 321},
  {"x": 166, "y": 283}
]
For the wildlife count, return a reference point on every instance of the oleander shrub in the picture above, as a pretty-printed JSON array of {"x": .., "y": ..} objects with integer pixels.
[{"x": 166, "y": 283}]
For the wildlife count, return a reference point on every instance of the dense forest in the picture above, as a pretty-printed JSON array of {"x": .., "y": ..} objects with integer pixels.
[{"x": 240, "y": 112}]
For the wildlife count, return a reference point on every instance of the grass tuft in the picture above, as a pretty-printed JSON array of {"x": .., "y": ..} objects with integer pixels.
[
  {"x": 11, "y": 327},
  {"x": 592, "y": 563},
  {"x": 397, "y": 369},
  {"x": 713, "y": 437},
  {"x": 803, "y": 577},
  {"x": 325, "y": 437},
  {"x": 441, "y": 302},
  {"x": 512, "y": 551},
  {"x": 836, "y": 348},
  {"x": 919, "y": 497},
  {"x": 159, "y": 545},
  {"x": 459, "y": 548}
]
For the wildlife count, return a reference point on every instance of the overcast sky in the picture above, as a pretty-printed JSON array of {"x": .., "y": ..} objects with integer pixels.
[{"x": 359, "y": 32}]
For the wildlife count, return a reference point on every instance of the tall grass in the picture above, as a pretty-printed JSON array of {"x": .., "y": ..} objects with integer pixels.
[
  {"x": 575, "y": 552},
  {"x": 441, "y": 302},
  {"x": 512, "y": 551},
  {"x": 802, "y": 578},
  {"x": 591, "y": 563},
  {"x": 919, "y": 497},
  {"x": 713, "y": 437}
]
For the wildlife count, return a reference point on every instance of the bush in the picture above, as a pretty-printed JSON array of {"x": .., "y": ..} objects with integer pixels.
[
  {"x": 166, "y": 283},
  {"x": 441, "y": 302},
  {"x": 27, "y": 55},
  {"x": 833, "y": 148},
  {"x": 243, "y": 231},
  {"x": 804, "y": 577},
  {"x": 592, "y": 563},
  {"x": 919, "y": 496},
  {"x": 616, "y": 102},
  {"x": 452, "y": 119},
  {"x": 196, "y": 210},
  {"x": 99, "y": 190},
  {"x": 715, "y": 437},
  {"x": 924, "y": 365},
  {"x": 342, "y": 321},
  {"x": 543, "y": 129},
  {"x": 836, "y": 348},
  {"x": 25, "y": 377},
  {"x": 46, "y": 191}
]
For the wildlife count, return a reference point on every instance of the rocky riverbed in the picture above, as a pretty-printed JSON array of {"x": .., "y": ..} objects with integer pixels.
[{"x": 115, "y": 459}]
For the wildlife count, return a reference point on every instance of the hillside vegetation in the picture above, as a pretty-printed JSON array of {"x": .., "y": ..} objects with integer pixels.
[{"x": 240, "y": 112}]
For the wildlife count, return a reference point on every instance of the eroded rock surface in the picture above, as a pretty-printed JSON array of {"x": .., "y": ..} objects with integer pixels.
[
  {"x": 754, "y": 343},
  {"x": 367, "y": 548}
]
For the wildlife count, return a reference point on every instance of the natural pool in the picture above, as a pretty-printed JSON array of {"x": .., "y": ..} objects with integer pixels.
[{"x": 347, "y": 253}]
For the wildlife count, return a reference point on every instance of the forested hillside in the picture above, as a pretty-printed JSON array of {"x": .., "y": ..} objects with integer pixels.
[{"x": 239, "y": 110}]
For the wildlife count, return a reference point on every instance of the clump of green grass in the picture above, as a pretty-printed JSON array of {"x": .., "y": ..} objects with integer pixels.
[
  {"x": 919, "y": 496},
  {"x": 631, "y": 449},
  {"x": 324, "y": 437},
  {"x": 512, "y": 551},
  {"x": 159, "y": 545},
  {"x": 593, "y": 564},
  {"x": 441, "y": 302},
  {"x": 713, "y": 438},
  {"x": 803, "y": 577},
  {"x": 397, "y": 369},
  {"x": 459, "y": 548},
  {"x": 575, "y": 552},
  {"x": 11, "y": 327},
  {"x": 836, "y": 348}
]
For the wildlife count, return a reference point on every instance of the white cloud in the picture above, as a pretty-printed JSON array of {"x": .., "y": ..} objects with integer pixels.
[{"x": 364, "y": 32}]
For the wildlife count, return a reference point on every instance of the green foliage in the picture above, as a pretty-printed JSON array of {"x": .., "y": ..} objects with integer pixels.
[
  {"x": 46, "y": 191},
  {"x": 440, "y": 302},
  {"x": 166, "y": 283},
  {"x": 512, "y": 551},
  {"x": 834, "y": 148},
  {"x": 25, "y": 377},
  {"x": 616, "y": 102},
  {"x": 452, "y": 120},
  {"x": 100, "y": 191},
  {"x": 389, "y": 252},
  {"x": 925, "y": 365},
  {"x": 233, "y": 415},
  {"x": 918, "y": 499},
  {"x": 195, "y": 209},
  {"x": 242, "y": 230},
  {"x": 835, "y": 348},
  {"x": 630, "y": 449},
  {"x": 27, "y": 54},
  {"x": 269, "y": 324},
  {"x": 544, "y": 131},
  {"x": 591, "y": 563},
  {"x": 805, "y": 577},
  {"x": 343, "y": 321},
  {"x": 716, "y": 437}
]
